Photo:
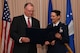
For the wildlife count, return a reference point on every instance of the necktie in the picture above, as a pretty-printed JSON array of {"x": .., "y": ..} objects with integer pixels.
[{"x": 29, "y": 25}]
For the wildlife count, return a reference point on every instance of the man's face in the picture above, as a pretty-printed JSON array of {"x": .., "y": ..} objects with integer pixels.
[
  {"x": 28, "y": 10},
  {"x": 54, "y": 17}
]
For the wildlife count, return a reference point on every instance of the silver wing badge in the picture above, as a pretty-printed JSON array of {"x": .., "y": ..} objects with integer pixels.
[{"x": 60, "y": 30}]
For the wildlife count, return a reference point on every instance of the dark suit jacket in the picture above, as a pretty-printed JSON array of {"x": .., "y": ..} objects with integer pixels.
[
  {"x": 59, "y": 46},
  {"x": 17, "y": 30}
]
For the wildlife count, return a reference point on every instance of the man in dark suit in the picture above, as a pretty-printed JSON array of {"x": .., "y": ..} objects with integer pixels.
[
  {"x": 18, "y": 30},
  {"x": 61, "y": 37}
]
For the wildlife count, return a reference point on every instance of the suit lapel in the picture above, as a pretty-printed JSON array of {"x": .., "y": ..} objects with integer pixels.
[
  {"x": 24, "y": 21},
  {"x": 33, "y": 22}
]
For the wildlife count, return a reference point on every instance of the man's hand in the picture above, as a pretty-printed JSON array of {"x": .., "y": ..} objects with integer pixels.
[
  {"x": 47, "y": 42},
  {"x": 25, "y": 39},
  {"x": 53, "y": 42},
  {"x": 58, "y": 35}
]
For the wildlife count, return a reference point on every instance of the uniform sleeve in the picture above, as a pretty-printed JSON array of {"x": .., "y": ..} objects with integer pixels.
[{"x": 65, "y": 35}]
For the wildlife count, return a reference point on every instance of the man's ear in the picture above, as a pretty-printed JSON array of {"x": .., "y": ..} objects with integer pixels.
[{"x": 59, "y": 17}]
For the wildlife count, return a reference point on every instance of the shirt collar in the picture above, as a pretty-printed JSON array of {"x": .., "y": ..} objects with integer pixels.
[
  {"x": 25, "y": 16},
  {"x": 56, "y": 23}
]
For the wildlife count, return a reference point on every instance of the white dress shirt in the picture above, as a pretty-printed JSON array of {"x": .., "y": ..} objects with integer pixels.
[
  {"x": 56, "y": 24},
  {"x": 30, "y": 19}
]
